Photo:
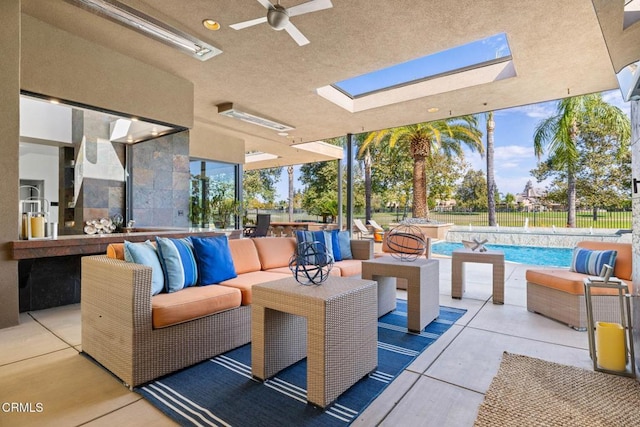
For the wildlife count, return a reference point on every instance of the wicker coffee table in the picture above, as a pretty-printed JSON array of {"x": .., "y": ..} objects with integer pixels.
[
  {"x": 423, "y": 287},
  {"x": 495, "y": 258},
  {"x": 333, "y": 324}
]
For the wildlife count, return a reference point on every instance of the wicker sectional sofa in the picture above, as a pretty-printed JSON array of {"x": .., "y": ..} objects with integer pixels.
[
  {"x": 559, "y": 293},
  {"x": 140, "y": 337}
]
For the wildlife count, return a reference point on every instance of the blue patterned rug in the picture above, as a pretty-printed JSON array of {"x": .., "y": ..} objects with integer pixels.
[{"x": 221, "y": 391}]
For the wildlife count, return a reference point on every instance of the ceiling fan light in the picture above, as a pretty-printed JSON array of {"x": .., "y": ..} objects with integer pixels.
[{"x": 277, "y": 17}]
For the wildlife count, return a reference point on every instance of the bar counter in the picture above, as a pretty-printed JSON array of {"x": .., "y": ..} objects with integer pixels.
[
  {"x": 91, "y": 244},
  {"x": 49, "y": 270}
]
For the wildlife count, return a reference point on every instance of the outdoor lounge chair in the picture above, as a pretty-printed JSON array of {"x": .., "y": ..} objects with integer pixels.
[
  {"x": 378, "y": 234},
  {"x": 375, "y": 225},
  {"x": 362, "y": 230}
]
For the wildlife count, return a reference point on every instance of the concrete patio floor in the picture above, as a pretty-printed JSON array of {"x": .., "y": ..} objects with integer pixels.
[{"x": 40, "y": 364}]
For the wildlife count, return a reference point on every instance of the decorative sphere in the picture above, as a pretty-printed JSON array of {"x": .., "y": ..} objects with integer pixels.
[
  {"x": 406, "y": 242},
  {"x": 311, "y": 264}
]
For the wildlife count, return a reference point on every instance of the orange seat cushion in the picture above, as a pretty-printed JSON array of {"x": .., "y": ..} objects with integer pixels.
[
  {"x": 349, "y": 267},
  {"x": 245, "y": 255},
  {"x": 245, "y": 281},
  {"x": 192, "y": 303},
  {"x": 275, "y": 252},
  {"x": 565, "y": 281}
]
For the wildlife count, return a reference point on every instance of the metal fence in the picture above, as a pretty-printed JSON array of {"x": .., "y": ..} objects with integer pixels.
[
  {"x": 506, "y": 218},
  {"x": 584, "y": 218}
]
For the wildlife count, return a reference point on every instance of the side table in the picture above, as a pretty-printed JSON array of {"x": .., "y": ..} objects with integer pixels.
[
  {"x": 423, "y": 287},
  {"x": 333, "y": 324},
  {"x": 495, "y": 258}
]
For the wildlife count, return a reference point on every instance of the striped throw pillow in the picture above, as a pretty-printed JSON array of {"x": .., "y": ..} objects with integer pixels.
[
  {"x": 178, "y": 263},
  {"x": 587, "y": 261}
]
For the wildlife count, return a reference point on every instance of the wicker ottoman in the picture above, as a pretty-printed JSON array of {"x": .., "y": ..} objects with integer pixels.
[{"x": 334, "y": 325}]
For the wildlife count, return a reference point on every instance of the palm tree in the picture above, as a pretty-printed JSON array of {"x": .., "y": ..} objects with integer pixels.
[
  {"x": 491, "y": 180},
  {"x": 291, "y": 191},
  {"x": 364, "y": 154},
  {"x": 422, "y": 139},
  {"x": 559, "y": 135}
]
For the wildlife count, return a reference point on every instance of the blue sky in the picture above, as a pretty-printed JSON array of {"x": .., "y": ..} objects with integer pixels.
[{"x": 514, "y": 157}]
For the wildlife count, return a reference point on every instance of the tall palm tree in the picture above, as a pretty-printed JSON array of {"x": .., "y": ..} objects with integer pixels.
[
  {"x": 291, "y": 192},
  {"x": 422, "y": 139},
  {"x": 491, "y": 180},
  {"x": 559, "y": 134}
]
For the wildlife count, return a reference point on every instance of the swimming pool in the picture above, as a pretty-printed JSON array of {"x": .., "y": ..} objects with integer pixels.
[{"x": 553, "y": 257}]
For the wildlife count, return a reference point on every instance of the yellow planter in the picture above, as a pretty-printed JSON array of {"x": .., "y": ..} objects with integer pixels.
[{"x": 610, "y": 346}]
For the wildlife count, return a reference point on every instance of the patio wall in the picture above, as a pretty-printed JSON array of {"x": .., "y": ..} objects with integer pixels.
[{"x": 536, "y": 236}]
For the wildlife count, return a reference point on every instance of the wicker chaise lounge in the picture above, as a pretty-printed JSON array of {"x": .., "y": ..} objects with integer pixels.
[{"x": 559, "y": 293}]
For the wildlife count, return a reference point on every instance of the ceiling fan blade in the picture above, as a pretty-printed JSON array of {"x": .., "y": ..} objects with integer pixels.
[
  {"x": 251, "y": 23},
  {"x": 310, "y": 6},
  {"x": 266, "y": 3},
  {"x": 296, "y": 35}
]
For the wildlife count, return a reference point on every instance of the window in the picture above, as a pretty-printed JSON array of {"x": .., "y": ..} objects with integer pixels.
[{"x": 214, "y": 200}]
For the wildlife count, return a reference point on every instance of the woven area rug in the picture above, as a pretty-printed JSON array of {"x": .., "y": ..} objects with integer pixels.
[
  {"x": 533, "y": 392},
  {"x": 221, "y": 391}
]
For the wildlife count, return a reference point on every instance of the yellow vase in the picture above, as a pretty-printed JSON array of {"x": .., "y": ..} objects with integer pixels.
[{"x": 610, "y": 346}]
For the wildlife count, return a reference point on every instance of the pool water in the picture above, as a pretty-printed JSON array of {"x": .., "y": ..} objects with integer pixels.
[{"x": 532, "y": 255}]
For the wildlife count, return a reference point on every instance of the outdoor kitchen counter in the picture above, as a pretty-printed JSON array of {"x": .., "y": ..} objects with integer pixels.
[{"x": 90, "y": 244}]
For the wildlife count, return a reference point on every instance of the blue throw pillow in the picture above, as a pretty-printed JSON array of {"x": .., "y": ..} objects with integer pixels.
[
  {"x": 344, "y": 240},
  {"x": 178, "y": 263},
  {"x": 335, "y": 244},
  {"x": 213, "y": 255},
  {"x": 590, "y": 262},
  {"x": 321, "y": 236},
  {"x": 145, "y": 254}
]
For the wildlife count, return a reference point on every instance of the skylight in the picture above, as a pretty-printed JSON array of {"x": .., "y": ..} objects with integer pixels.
[
  {"x": 471, "y": 55},
  {"x": 631, "y": 13}
]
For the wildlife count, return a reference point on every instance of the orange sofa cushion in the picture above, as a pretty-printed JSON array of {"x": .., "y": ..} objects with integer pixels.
[
  {"x": 245, "y": 255},
  {"x": 245, "y": 281},
  {"x": 566, "y": 281},
  {"x": 349, "y": 267},
  {"x": 192, "y": 303},
  {"x": 116, "y": 251},
  {"x": 275, "y": 252}
]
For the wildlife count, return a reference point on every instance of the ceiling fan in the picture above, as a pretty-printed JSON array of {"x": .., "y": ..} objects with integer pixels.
[{"x": 278, "y": 17}]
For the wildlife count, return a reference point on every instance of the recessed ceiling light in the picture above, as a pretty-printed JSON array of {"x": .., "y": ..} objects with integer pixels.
[
  {"x": 283, "y": 134},
  {"x": 433, "y": 110},
  {"x": 210, "y": 24},
  {"x": 54, "y": 101}
]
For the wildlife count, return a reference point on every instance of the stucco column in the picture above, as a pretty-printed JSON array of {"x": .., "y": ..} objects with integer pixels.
[
  {"x": 635, "y": 195},
  {"x": 9, "y": 146}
]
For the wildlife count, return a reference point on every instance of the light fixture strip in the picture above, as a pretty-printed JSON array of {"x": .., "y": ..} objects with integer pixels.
[
  {"x": 136, "y": 20},
  {"x": 229, "y": 111}
]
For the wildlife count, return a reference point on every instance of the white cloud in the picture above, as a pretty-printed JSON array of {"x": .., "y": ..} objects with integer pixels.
[
  {"x": 536, "y": 111},
  {"x": 512, "y": 155}
]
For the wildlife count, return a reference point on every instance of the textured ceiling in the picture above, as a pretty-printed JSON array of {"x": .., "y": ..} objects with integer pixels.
[{"x": 558, "y": 49}]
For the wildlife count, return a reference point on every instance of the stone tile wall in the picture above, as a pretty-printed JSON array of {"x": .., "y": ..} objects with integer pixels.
[{"x": 160, "y": 181}]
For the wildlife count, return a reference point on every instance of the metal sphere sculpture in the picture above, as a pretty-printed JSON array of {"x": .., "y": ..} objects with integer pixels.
[
  {"x": 311, "y": 263},
  {"x": 406, "y": 242}
]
